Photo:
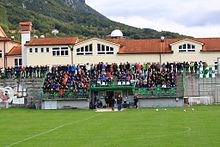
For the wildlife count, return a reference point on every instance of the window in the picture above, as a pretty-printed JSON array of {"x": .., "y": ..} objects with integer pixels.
[
  {"x": 20, "y": 62},
  {"x": 111, "y": 51},
  {"x": 56, "y": 51},
  {"x": 90, "y": 47},
  {"x": 98, "y": 47},
  {"x": 0, "y": 53},
  {"x": 42, "y": 50},
  {"x": 79, "y": 52},
  {"x": 36, "y": 50},
  {"x": 47, "y": 50},
  {"x": 103, "y": 49},
  {"x": 17, "y": 62},
  {"x": 187, "y": 48},
  {"x": 85, "y": 50},
  {"x": 30, "y": 50},
  {"x": 107, "y": 48},
  {"x": 63, "y": 51},
  {"x": 184, "y": 46}
]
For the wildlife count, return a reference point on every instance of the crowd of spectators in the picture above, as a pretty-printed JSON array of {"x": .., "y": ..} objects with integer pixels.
[
  {"x": 24, "y": 72},
  {"x": 75, "y": 79},
  {"x": 67, "y": 80}
]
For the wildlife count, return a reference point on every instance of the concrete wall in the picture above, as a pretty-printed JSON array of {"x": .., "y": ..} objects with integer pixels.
[
  {"x": 194, "y": 88},
  {"x": 160, "y": 102},
  {"x": 62, "y": 104},
  {"x": 33, "y": 87},
  {"x": 2, "y": 105},
  {"x": 203, "y": 87}
]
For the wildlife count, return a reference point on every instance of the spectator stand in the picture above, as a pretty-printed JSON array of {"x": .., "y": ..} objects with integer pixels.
[
  {"x": 102, "y": 82},
  {"x": 66, "y": 87}
]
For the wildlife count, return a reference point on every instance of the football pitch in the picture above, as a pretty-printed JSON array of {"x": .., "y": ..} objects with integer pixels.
[{"x": 129, "y": 128}]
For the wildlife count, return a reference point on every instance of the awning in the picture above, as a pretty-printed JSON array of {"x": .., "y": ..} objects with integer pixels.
[{"x": 111, "y": 88}]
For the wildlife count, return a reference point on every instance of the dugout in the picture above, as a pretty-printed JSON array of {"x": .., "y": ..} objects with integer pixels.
[{"x": 160, "y": 97}]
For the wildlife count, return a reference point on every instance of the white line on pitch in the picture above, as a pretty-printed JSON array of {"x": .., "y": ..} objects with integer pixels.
[{"x": 51, "y": 130}]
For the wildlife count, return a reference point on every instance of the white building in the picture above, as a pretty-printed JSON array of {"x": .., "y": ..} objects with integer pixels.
[{"x": 62, "y": 51}]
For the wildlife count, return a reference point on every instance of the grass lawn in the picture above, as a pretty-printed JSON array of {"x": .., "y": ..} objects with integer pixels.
[{"x": 135, "y": 128}]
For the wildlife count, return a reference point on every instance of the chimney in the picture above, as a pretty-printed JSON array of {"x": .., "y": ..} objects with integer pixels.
[{"x": 25, "y": 29}]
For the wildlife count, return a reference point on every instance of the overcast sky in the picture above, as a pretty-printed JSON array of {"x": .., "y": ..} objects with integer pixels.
[{"x": 198, "y": 18}]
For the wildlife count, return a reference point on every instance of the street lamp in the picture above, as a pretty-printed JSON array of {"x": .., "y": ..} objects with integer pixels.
[
  {"x": 162, "y": 38},
  {"x": 71, "y": 49}
]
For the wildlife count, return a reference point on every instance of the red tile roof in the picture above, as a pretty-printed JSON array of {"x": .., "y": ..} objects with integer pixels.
[
  {"x": 156, "y": 46},
  {"x": 16, "y": 50},
  {"x": 210, "y": 44},
  {"x": 8, "y": 39},
  {"x": 4, "y": 39},
  {"x": 52, "y": 41},
  {"x": 127, "y": 46},
  {"x": 143, "y": 46},
  {"x": 25, "y": 23}
]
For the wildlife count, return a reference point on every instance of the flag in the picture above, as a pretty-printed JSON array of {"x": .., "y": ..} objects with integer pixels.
[{"x": 206, "y": 72}]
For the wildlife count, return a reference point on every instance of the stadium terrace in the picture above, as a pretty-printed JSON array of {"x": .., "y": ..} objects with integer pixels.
[{"x": 101, "y": 69}]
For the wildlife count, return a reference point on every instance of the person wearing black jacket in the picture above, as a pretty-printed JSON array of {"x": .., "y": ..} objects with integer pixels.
[
  {"x": 135, "y": 101},
  {"x": 119, "y": 102},
  {"x": 112, "y": 103}
]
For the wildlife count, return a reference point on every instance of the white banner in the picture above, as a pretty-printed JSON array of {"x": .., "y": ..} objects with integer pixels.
[{"x": 18, "y": 101}]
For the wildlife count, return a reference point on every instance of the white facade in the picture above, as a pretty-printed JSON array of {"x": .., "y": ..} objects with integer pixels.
[
  {"x": 25, "y": 36},
  {"x": 195, "y": 54},
  {"x": 96, "y": 50},
  {"x": 48, "y": 55}
]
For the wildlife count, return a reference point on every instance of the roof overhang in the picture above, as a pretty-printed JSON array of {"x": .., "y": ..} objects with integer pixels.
[
  {"x": 186, "y": 39},
  {"x": 209, "y": 50},
  {"x": 171, "y": 52},
  {"x": 97, "y": 39}
]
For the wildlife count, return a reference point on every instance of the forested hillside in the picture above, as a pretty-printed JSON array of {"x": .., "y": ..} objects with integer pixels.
[{"x": 70, "y": 17}]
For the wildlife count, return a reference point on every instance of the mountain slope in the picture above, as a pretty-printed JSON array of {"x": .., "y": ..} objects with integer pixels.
[{"x": 70, "y": 17}]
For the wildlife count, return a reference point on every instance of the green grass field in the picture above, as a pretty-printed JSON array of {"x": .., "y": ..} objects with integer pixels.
[{"x": 135, "y": 128}]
